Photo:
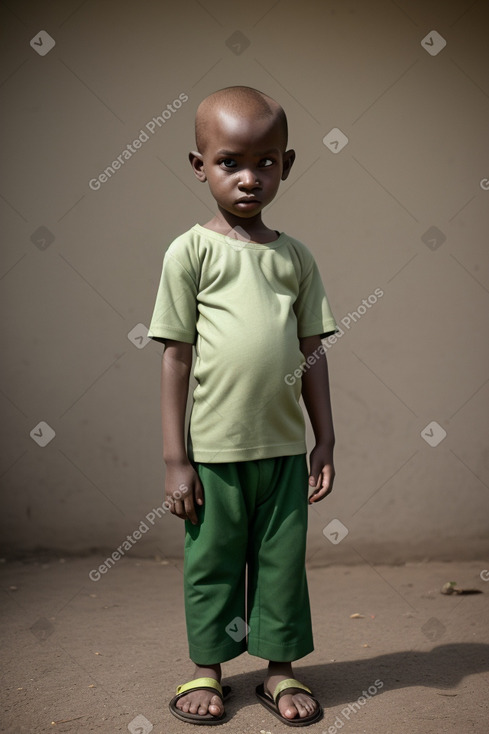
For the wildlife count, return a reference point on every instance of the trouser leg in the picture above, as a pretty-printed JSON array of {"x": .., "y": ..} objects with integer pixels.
[
  {"x": 254, "y": 512},
  {"x": 278, "y": 600},
  {"x": 215, "y": 568}
]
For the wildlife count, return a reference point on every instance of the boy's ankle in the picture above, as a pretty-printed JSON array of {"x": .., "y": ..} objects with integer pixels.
[
  {"x": 208, "y": 671},
  {"x": 276, "y": 668}
]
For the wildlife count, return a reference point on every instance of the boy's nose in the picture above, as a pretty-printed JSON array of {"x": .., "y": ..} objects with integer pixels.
[{"x": 248, "y": 179}]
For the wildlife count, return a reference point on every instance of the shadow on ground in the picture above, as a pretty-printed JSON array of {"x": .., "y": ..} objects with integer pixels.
[{"x": 339, "y": 683}]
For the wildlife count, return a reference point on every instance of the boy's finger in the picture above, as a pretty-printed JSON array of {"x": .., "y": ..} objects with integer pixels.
[
  {"x": 315, "y": 476},
  {"x": 328, "y": 480},
  {"x": 199, "y": 493},
  {"x": 315, "y": 485},
  {"x": 323, "y": 487},
  {"x": 316, "y": 495},
  {"x": 190, "y": 511},
  {"x": 177, "y": 509}
]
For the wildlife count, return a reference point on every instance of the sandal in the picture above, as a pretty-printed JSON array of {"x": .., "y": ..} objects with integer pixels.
[
  {"x": 205, "y": 684},
  {"x": 288, "y": 686}
]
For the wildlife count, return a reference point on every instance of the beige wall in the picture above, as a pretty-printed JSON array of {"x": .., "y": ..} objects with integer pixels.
[{"x": 417, "y": 159}]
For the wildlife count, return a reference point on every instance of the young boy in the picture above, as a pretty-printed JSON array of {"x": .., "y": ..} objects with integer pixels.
[{"x": 251, "y": 302}]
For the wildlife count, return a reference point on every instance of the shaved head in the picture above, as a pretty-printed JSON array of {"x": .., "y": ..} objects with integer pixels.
[{"x": 237, "y": 102}]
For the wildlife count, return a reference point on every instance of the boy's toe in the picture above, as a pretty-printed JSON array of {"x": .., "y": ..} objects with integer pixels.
[
  {"x": 296, "y": 706},
  {"x": 180, "y": 704},
  {"x": 305, "y": 705},
  {"x": 215, "y": 706},
  {"x": 287, "y": 708},
  {"x": 201, "y": 703}
]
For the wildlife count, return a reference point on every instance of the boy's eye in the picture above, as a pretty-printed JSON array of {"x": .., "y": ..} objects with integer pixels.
[
  {"x": 228, "y": 163},
  {"x": 265, "y": 162}
]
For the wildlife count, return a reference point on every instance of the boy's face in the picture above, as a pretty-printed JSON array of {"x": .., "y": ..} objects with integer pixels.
[{"x": 243, "y": 161}]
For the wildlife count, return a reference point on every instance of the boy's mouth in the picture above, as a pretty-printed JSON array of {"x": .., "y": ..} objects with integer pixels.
[{"x": 248, "y": 200}]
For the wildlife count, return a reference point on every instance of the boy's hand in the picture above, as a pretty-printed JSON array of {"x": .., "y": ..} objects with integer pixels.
[
  {"x": 183, "y": 491},
  {"x": 321, "y": 476}
]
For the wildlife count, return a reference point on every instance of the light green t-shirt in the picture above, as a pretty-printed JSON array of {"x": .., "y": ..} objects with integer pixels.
[{"x": 244, "y": 307}]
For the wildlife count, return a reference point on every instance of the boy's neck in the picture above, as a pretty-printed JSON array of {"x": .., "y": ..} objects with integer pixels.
[{"x": 252, "y": 229}]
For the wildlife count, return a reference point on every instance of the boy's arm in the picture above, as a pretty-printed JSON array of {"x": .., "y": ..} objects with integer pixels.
[
  {"x": 315, "y": 392},
  {"x": 182, "y": 485}
]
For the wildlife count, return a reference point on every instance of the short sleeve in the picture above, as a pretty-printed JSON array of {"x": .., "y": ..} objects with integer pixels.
[
  {"x": 314, "y": 315},
  {"x": 175, "y": 311}
]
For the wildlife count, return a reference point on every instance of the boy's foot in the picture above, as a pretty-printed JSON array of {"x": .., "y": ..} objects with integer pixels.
[
  {"x": 202, "y": 701},
  {"x": 291, "y": 706}
]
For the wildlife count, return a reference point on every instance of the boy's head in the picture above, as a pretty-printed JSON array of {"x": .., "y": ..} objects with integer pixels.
[
  {"x": 241, "y": 137},
  {"x": 241, "y": 102}
]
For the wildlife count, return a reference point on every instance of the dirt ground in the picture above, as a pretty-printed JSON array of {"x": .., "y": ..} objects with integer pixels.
[{"x": 82, "y": 655}]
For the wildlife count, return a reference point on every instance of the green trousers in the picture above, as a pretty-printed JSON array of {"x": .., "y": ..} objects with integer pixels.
[{"x": 244, "y": 570}]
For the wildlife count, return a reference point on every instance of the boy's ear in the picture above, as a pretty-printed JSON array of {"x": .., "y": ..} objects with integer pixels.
[
  {"x": 288, "y": 160},
  {"x": 197, "y": 163}
]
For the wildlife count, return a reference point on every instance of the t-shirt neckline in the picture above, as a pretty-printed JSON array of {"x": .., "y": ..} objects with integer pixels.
[{"x": 231, "y": 242}]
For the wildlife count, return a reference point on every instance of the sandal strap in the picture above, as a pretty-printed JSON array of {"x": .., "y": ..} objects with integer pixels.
[
  {"x": 289, "y": 683},
  {"x": 200, "y": 683}
]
